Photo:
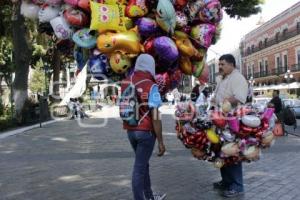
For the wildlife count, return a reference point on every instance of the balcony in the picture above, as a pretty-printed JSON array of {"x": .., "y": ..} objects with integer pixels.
[
  {"x": 275, "y": 72},
  {"x": 272, "y": 41}
]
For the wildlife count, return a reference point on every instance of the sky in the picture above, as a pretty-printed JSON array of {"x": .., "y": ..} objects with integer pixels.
[{"x": 233, "y": 30}]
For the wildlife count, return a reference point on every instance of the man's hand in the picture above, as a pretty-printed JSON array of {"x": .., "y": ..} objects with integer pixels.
[{"x": 161, "y": 149}]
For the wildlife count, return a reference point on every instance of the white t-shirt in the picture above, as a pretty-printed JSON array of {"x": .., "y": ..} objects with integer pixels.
[{"x": 233, "y": 85}]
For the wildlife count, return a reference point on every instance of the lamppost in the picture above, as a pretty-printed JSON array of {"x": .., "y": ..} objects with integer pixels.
[
  {"x": 288, "y": 75},
  {"x": 251, "y": 82}
]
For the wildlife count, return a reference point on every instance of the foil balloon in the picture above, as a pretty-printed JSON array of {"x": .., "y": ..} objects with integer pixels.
[
  {"x": 81, "y": 56},
  {"x": 218, "y": 119},
  {"x": 211, "y": 12},
  {"x": 203, "y": 34},
  {"x": 268, "y": 114},
  {"x": 119, "y": 63},
  {"x": 127, "y": 42},
  {"x": 53, "y": 2},
  {"x": 251, "y": 152},
  {"x": 197, "y": 153},
  {"x": 197, "y": 68},
  {"x": 226, "y": 106},
  {"x": 181, "y": 20},
  {"x": 163, "y": 81},
  {"x": 230, "y": 149},
  {"x": 108, "y": 17},
  {"x": 98, "y": 66},
  {"x": 75, "y": 17},
  {"x": 47, "y": 13},
  {"x": 193, "y": 8},
  {"x": 175, "y": 77},
  {"x": 212, "y": 136},
  {"x": 136, "y": 8},
  {"x": 61, "y": 28},
  {"x": 185, "y": 112},
  {"x": 185, "y": 46},
  {"x": 234, "y": 124},
  {"x": 204, "y": 75},
  {"x": 166, "y": 16},
  {"x": 84, "y": 5},
  {"x": 217, "y": 34},
  {"x": 267, "y": 138},
  {"x": 71, "y": 2},
  {"x": 179, "y": 4},
  {"x": 251, "y": 121},
  {"x": 65, "y": 46},
  {"x": 219, "y": 163},
  {"x": 228, "y": 136},
  {"x": 84, "y": 38},
  {"x": 147, "y": 27},
  {"x": 112, "y": 2},
  {"x": 29, "y": 10},
  {"x": 166, "y": 52},
  {"x": 185, "y": 65},
  {"x": 149, "y": 46}
]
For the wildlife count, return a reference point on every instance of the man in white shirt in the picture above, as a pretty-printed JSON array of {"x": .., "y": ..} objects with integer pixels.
[{"x": 232, "y": 87}]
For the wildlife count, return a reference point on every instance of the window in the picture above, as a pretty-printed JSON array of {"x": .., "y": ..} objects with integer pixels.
[
  {"x": 298, "y": 27},
  {"x": 284, "y": 32},
  {"x": 249, "y": 71},
  {"x": 260, "y": 44},
  {"x": 285, "y": 62},
  {"x": 277, "y": 37},
  {"x": 248, "y": 50},
  {"x": 252, "y": 48},
  {"x": 266, "y": 42},
  {"x": 261, "y": 69},
  {"x": 277, "y": 63},
  {"x": 266, "y": 67},
  {"x": 298, "y": 56}
]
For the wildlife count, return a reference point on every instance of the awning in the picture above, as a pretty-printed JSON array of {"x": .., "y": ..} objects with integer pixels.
[{"x": 282, "y": 86}]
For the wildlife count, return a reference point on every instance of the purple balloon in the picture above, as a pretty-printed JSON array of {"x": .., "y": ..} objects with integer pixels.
[
  {"x": 166, "y": 52},
  {"x": 147, "y": 27}
]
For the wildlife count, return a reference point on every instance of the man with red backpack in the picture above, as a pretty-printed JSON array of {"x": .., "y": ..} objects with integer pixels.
[{"x": 139, "y": 103}]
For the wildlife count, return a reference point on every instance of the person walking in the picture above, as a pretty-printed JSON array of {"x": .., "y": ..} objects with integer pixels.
[
  {"x": 149, "y": 129},
  {"x": 233, "y": 88},
  {"x": 276, "y": 103}
]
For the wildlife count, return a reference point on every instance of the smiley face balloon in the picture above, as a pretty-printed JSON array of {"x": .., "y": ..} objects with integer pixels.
[{"x": 119, "y": 63}]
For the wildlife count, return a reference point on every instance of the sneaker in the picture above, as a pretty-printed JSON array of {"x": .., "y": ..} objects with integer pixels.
[
  {"x": 158, "y": 197},
  {"x": 219, "y": 185},
  {"x": 232, "y": 193}
]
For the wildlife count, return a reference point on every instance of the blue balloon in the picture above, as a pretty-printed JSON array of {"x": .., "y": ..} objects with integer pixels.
[{"x": 99, "y": 66}]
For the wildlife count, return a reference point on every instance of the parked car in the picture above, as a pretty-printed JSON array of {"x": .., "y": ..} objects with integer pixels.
[
  {"x": 293, "y": 104},
  {"x": 260, "y": 103}
]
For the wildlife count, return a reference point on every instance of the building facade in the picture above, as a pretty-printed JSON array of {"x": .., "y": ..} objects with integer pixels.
[{"x": 270, "y": 54}]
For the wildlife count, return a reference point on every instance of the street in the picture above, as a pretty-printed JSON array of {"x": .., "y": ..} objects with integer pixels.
[{"x": 63, "y": 161}]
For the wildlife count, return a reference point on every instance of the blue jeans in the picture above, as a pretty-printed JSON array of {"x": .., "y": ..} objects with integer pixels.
[
  {"x": 232, "y": 177},
  {"x": 142, "y": 143}
]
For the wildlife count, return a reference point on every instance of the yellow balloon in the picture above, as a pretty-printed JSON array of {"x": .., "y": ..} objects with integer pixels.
[
  {"x": 185, "y": 46},
  {"x": 127, "y": 42},
  {"x": 212, "y": 136},
  {"x": 108, "y": 17},
  {"x": 185, "y": 65},
  {"x": 119, "y": 63},
  {"x": 113, "y": 2}
]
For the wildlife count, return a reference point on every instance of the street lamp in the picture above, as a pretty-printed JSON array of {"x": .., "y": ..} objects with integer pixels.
[
  {"x": 251, "y": 81},
  {"x": 288, "y": 76}
]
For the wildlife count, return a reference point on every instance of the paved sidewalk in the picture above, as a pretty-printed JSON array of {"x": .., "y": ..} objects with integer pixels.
[{"x": 63, "y": 161}]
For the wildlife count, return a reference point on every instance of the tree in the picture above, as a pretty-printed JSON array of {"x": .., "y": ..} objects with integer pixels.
[
  {"x": 241, "y": 8},
  {"x": 22, "y": 57}
]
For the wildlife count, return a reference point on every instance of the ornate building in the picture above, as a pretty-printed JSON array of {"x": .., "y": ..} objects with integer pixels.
[{"x": 271, "y": 54}]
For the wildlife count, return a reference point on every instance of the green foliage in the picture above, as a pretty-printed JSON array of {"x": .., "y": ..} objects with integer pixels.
[
  {"x": 241, "y": 8},
  {"x": 37, "y": 81}
]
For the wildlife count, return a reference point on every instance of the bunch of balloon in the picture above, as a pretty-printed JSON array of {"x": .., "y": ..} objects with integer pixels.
[{"x": 110, "y": 34}]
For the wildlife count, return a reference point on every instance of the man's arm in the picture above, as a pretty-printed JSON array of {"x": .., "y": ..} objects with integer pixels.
[{"x": 157, "y": 126}]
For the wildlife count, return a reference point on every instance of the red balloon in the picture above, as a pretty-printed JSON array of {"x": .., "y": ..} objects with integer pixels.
[
  {"x": 204, "y": 75},
  {"x": 149, "y": 46},
  {"x": 164, "y": 82},
  {"x": 175, "y": 78}
]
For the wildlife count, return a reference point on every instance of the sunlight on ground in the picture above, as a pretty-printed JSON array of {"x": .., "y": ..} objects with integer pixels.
[
  {"x": 70, "y": 178},
  {"x": 124, "y": 182},
  {"x": 59, "y": 139}
]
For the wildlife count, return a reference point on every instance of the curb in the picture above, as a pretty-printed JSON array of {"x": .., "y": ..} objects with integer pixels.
[{"x": 22, "y": 130}]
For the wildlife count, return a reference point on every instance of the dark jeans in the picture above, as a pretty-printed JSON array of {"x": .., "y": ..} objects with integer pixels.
[
  {"x": 232, "y": 177},
  {"x": 142, "y": 143}
]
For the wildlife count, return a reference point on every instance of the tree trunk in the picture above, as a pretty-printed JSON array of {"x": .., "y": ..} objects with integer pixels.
[
  {"x": 56, "y": 62},
  {"x": 21, "y": 58}
]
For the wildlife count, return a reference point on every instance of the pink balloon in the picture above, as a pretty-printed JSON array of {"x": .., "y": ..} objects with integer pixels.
[{"x": 234, "y": 124}]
